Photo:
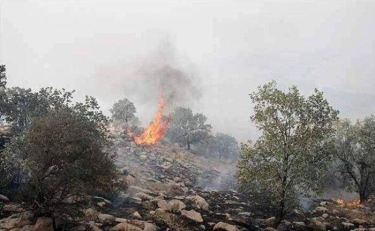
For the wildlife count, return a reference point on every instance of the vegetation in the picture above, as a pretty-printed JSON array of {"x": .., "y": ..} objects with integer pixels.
[
  {"x": 291, "y": 153},
  {"x": 123, "y": 111},
  {"x": 222, "y": 146},
  {"x": 65, "y": 159},
  {"x": 56, "y": 151},
  {"x": 187, "y": 128},
  {"x": 355, "y": 151}
]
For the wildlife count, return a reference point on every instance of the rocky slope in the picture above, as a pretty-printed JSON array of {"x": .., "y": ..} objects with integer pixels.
[{"x": 172, "y": 189}]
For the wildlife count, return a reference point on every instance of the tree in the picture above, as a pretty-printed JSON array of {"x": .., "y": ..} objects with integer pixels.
[
  {"x": 23, "y": 105},
  {"x": 187, "y": 128},
  {"x": 123, "y": 111},
  {"x": 290, "y": 154},
  {"x": 3, "y": 78},
  {"x": 65, "y": 158},
  {"x": 222, "y": 146},
  {"x": 355, "y": 150}
]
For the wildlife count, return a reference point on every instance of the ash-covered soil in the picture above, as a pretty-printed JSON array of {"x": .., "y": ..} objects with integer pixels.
[{"x": 169, "y": 188}]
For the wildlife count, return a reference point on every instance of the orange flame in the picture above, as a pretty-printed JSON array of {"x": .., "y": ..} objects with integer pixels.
[
  {"x": 156, "y": 130},
  {"x": 352, "y": 204}
]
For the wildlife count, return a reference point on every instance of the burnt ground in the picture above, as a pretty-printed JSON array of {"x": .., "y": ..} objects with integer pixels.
[{"x": 169, "y": 188}]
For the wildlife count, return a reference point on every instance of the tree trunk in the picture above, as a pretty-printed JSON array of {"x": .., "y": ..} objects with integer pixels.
[
  {"x": 362, "y": 196},
  {"x": 280, "y": 214},
  {"x": 188, "y": 145}
]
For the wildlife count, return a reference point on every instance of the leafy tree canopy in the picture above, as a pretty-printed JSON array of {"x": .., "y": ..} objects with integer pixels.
[
  {"x": 187, "y": 128},
  {"x": 291, "y": 152}
]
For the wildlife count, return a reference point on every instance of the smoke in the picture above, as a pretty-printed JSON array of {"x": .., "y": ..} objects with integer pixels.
[{"x": 164, "y": 72}]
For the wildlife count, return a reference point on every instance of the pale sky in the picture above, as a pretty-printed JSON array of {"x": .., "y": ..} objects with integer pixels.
[{"x": 229, "y": 47}]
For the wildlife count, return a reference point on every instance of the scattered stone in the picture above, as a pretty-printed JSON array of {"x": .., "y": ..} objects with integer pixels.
[
  {"x": 270, "y": 221},
  {"x": 4, "y": 198},
  {"x": 348, "y": 225},
  {"x": 176, "y": 205},
  {"x": 321, "y": 209},
  {"x": 43, "y": 224},
  {"x": 164, "y": 206},
  {"x": 270, "y": 229},
  {"x": 149, "y": 227},
  {"x": 317, "y": 225},
  {"x": 125, "y": 227},
  {"x": 137, "y": 215},
  {"x": 106, "y": 218},
  {"x": 192, "y": 215},
  {"x": 199, "y": 201},
  {"x": 225, "y": 226}
]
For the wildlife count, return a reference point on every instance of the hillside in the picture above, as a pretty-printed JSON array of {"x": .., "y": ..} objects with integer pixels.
[{"x": 169, "y": 188}]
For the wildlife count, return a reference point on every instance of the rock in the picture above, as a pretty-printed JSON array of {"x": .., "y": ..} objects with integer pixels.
[
  {"x": 121, "y": 220},
  {"x": 176, "y": 205},
  {"x": 3, "y": 198},
  {"x": 93, "y": 226},
  {"x": 150, "y": 227},
  {"x": 317, "y": 225},
  {"x": 347, "y": 225},
  {"x": 43, "y": 224},
  {"x": 225, "y": 226},
  {"x": 321, "y": 209},
  {"x": 325, "y": 215},
  {"x": 125, "y": 227},
  {"x": 199, "y": 201},
  {"x": 299, "y": 224},
  {"x": 90, "y": 213},
  {"x": 144, "y": 196},
  {"x": 192, "y": 215},
  {"x": 359, "y": 221},
  {"x": 106, "y": 218},
  {"x": 137, "y": 215},
  {"x": 270, "y": 229},
  {"x": 27, "y": 228},
  {"x": 164, "y": 206},
  {"x": 12, "y": 208},
  {"x": 270, "y": 221}
]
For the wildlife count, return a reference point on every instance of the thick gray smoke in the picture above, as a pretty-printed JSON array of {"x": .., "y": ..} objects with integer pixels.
[{"x": 163, "y": 72}]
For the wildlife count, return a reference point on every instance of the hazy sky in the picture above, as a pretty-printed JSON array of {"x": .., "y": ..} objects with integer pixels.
[{"x": 227, "y": 47}]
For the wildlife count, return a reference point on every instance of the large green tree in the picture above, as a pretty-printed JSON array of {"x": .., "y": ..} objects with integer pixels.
[
  {"x": 355, "y": 151},
  {"x": 290, "y": 154},
  {"x": 187, "y": 128}
]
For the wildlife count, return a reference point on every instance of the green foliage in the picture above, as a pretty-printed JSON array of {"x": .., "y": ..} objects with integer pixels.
[
  {"x": 3, "y": 78},
  {"x": 290, "y": 155},
  {"x": 221, "y": 146},
  {"x": 355, "y": 151},
  {"x": 187, "y": 128},
  {"x": 23, "y": 105},
  {"x": 123, "y": 111},
  {"x": 64, "y": 158}
]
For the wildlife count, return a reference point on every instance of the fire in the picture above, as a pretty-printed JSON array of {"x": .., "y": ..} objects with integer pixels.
[
  {"x": 156, "y": 130},
  {"x": 352, "y": 204},
  {"x": 340, "y": 202}
]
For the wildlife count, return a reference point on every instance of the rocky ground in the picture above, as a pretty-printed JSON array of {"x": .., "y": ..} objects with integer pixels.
[{"x": 172, "y": 189}]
